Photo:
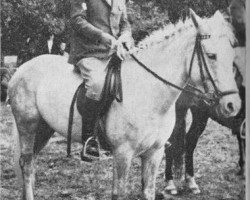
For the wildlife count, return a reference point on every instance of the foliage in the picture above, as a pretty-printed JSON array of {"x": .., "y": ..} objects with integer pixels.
[
  {"x": 21, "y": 19},
  {"x": 179, "y": 8},
  {"x": 152, "y": 14},
  {"x": 146, "y": 19}
]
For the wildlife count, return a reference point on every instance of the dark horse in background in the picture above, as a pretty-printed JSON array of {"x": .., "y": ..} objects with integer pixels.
[{"x": 184, "y": 143}]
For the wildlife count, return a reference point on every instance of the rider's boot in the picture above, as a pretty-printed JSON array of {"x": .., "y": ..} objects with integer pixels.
[{"x": 89, "y": 117}]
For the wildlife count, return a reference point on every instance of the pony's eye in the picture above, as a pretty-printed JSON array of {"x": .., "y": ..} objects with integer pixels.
[{"x": 212, "y": 56}]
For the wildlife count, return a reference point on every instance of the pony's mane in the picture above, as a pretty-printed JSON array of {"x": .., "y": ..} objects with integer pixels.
[{"x": 170, "y": 31}]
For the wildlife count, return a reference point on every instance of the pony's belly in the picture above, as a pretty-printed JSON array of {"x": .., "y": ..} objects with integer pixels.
[{"x": 54, "y": 98}]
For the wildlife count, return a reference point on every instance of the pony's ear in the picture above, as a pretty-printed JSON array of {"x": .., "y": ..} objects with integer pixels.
[
  {"x": 195, "y": 18},
  {"x": 219, "y": 16}
]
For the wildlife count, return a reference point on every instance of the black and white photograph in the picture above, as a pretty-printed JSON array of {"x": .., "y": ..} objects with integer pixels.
[{"x": 124, "y": 100}]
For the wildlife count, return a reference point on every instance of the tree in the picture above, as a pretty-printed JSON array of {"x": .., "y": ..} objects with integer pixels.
[
  {"x": 21, "y": 19},
  {"x": 149, "y": 15}
]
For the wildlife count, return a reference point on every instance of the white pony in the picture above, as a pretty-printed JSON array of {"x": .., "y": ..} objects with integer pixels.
[{"x": 42, "y": 89}]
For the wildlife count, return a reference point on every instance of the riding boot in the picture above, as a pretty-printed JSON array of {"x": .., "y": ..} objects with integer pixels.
[{"x": 90, "y": 144}]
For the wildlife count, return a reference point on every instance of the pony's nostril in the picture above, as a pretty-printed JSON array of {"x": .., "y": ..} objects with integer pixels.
[{"x": 230, "y": 107}]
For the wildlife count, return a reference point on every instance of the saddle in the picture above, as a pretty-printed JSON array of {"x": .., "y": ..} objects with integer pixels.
[{"x": 112, "y": 90}]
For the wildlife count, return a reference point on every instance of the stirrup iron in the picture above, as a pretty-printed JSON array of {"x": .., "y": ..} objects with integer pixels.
[{"x": 84, "y": 154}]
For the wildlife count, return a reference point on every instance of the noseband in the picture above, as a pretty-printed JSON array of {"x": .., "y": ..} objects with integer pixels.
[{"x": 208, "y": 97}]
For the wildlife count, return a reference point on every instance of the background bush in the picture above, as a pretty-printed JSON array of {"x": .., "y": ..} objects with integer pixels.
[{"x": 21, "y": 19}]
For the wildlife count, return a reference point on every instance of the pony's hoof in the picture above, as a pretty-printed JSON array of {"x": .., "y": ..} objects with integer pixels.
[
  {"x": 166, "y": 195},
  {"x": 195, "y": 190},
  {"x": 192, "y": 185},
  {"x": 172, "y": 191},
  {"x": 171, "y": 188}
]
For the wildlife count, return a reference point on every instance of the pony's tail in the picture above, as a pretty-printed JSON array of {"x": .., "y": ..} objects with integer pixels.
[{"x": 17, "y": 153}]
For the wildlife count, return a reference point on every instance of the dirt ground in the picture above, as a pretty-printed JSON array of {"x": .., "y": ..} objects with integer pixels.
[{"x": 61, "y": 178}]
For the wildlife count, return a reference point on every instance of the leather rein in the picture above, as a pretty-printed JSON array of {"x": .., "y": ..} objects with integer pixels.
[{"x": 209, "y": 98}]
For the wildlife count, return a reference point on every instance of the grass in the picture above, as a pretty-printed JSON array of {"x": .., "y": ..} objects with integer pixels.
[{"x": 61, "y": 178}]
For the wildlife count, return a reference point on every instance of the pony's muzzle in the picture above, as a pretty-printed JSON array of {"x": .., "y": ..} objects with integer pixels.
[{"x": 229, "y": 106}]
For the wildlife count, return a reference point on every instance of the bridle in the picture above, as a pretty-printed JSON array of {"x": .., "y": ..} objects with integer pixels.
[
  {"x": 208, "y": 97},
  {"x": 217, "y": 94}
]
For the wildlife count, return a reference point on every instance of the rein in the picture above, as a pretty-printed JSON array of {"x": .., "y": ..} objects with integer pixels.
[{"x": 208, "y": 98}]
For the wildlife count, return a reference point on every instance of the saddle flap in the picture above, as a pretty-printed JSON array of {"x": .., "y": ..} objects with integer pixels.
[
  {"x": 112, "y": 88},
  {"x": 80, "y": 99}
]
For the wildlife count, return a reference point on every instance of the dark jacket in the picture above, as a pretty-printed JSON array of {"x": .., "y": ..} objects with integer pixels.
[
  {"x": 44, "y": 48},
  {"x": 88, "y": 26}
]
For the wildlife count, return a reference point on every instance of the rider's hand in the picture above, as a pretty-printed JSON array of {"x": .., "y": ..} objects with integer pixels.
[
  {"x": 121, "y": 51},
  {"x": 117, "y": 45},
  {"x": 112, "y": 43},
  {"x": 109, "y": 41},
  {"x": 127, "y": 40}
]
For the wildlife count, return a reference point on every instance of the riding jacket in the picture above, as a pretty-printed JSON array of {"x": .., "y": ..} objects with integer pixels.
[{"x": 89, "y": 20}]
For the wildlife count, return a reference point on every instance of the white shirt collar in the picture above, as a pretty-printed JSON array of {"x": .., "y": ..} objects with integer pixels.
[{"x": 50, "y": 43}]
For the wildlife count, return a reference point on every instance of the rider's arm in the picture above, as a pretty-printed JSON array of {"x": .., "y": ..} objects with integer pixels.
[{"x": 125, "y": 32}]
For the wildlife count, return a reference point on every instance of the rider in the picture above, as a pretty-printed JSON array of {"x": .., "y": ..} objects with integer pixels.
[{"x": 99, "y": 29}]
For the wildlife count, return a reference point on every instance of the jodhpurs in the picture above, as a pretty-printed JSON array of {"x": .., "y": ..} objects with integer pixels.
[{"x": 93, "y": 71}]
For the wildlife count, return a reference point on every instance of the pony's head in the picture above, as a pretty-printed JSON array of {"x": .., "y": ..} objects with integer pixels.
[{"x": 216, "y": 44}]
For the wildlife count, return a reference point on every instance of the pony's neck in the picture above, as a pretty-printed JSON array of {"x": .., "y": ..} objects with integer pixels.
[{"x": 169, "y": 59}]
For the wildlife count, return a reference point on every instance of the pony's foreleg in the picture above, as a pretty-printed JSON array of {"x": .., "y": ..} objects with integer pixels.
[
  {"x": 174, "y": 154},
  {"x": 122, "y": 158},
  {"x": 27, "y": 158},
  {"x": 199, "y": 123},
  {"x": 27, "y": 167},
  {"x": 178, "y": 146},
  {"x": 150, "y": 164},
  {"x": 170, "y": 185}
]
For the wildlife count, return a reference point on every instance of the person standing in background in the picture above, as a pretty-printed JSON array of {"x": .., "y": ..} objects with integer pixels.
[
  {"x": 62, "y": 49},
  {"x": 49, "y": 46}
]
